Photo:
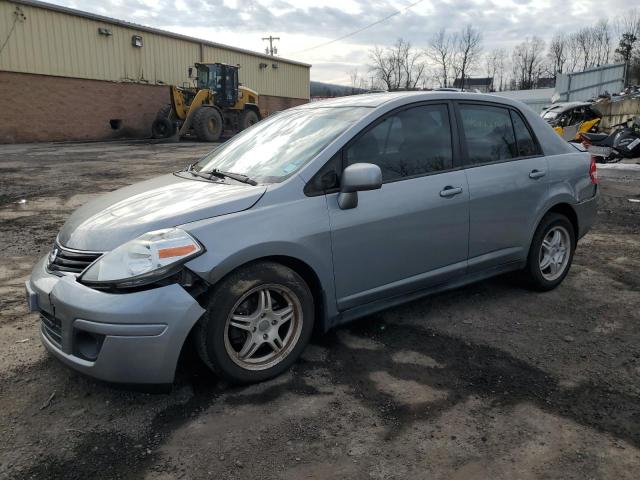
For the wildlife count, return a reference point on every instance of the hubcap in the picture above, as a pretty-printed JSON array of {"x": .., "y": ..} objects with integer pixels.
[
  {"x": 554, "y": 253},
  {"x": 263, "y": 327}
]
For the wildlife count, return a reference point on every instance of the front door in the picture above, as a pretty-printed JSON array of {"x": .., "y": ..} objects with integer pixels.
[{"x": 413, "y": 232}]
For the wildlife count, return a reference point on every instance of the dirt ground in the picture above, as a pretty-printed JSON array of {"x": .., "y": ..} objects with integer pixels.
[{"x": 491, "y": 381}]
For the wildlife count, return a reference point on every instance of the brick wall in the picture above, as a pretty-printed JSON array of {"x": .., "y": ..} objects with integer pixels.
[
  {"x": 41, "y": 108},
  {"x": 271, "y": 104},
  {"x": 45, "y": 108}
]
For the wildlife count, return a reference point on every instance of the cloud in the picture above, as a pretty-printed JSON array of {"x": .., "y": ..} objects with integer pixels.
[{"x": 302, "y": 24}]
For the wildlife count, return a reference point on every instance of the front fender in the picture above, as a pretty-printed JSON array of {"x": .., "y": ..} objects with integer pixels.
[{"x": 298, "y": 229}]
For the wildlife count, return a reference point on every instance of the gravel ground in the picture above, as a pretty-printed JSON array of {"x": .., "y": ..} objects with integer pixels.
[{"x": 487, "y": 381}]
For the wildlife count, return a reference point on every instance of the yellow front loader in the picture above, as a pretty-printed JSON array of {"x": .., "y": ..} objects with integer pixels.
[{"x": 216, "y": 104}]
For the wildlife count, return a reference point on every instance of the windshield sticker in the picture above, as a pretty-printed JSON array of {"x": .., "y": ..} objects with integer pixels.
[{"x": 287, "y": 169}]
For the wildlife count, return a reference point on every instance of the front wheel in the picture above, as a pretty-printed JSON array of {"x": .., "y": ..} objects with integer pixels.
[
  {"x": 257, "y": 322},
  {"x": 207, "y": 124},
  {"x": 248, "y": 118},
  {"x": 551, "y": 252}
]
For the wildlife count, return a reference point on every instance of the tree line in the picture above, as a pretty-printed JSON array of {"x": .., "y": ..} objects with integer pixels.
[{"x": 455, "y": 55}]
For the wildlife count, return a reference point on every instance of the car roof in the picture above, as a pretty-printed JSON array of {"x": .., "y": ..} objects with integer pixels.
[
  {"x": 374, "y": 100},
  {"x": 564, "y": 106}
]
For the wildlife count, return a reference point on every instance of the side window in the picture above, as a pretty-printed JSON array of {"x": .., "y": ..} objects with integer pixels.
[
  {"x": 488, "y": 133},
  {"x": 527, "y": 147},
  {"x": 327, "y": 179},
  {"x": 415, "y": 141}
]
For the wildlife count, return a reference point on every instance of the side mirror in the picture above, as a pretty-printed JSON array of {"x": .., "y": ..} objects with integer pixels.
[{"x": 355, "y": 178}]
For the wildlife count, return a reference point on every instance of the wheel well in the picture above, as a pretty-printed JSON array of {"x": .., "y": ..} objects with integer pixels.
[
  {"x": 308, "y": 275},
  {"x": 568, "y": 211}
]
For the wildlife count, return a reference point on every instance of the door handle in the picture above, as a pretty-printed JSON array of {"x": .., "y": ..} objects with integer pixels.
[
  {"x": 450, "y": 191},
  {"x": 537, "y": 174}
]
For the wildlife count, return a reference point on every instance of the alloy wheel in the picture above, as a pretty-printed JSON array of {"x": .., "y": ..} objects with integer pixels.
[
  {"x": 554, "y": 253},
  {"x": 263, "y": 327}
]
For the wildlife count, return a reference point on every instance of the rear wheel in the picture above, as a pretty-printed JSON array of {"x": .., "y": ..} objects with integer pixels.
[
  {"x": 248, "y": 118},
  {"x": 257, "y": 322},
  {"x": 162, "y": 126},
  {"x": 164, "y": 112},
  {"x": 207, "y": 124},
  {"x": 551, "y": 252}
]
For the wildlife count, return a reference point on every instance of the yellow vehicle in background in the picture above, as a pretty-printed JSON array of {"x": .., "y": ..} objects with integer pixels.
[
  {"x": 570, "y": 119},
  {"x": 216, "y": 103}
]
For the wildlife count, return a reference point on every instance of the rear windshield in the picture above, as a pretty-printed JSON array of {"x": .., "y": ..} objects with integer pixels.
[{"x": 275, "y": 148}]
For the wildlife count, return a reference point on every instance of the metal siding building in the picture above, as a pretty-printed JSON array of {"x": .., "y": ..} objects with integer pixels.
[
  {"x": 49, "y": 40},
  {"x": 535, "y": 99},
  {"x": 583, "y": 86}
]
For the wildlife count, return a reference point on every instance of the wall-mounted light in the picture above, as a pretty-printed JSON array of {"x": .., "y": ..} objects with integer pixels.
[
  {"x": 136, "y": 41},
  {"x": 263, "y": 66},
  {"x": 274, "y": 65},
  {"x": 104, "y": 31}
]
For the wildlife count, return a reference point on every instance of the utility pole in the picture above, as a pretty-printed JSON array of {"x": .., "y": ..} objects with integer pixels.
[{"x": 271, "y": 50}]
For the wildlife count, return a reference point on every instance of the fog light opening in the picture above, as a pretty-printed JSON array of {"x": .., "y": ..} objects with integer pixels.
[{"x": 88, "y": 345}]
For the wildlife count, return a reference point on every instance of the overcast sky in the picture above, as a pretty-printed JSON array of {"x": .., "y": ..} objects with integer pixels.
[{"x": 303, "y": 24}]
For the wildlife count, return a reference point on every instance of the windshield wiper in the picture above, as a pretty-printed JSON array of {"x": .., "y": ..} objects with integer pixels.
[{"x": 222, "y": 174}]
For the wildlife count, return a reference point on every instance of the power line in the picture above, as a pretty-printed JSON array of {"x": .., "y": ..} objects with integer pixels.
[{"x": 397, "y": 12}]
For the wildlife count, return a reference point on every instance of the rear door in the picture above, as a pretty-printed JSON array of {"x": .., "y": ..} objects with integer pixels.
[
  {"x": 413, "y": 232},
  {"x": 508, "y": 182}
]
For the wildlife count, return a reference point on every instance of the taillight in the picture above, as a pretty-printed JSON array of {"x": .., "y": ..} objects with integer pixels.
[{"x": 593, "y": 171}]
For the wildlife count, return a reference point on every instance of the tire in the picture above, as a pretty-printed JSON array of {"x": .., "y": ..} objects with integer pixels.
[
  {"x": 547, "y": 268},
  {"x": 248, "y": 118},
  {"x": 164, "y": 112},
  {"x": 162, "y": 127},
  {"x": 207, "y": 124},
  {"x": 222, "y": 345}
]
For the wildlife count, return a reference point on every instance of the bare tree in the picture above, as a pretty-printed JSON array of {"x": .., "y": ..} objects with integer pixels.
[
  {"x": 501, "y": 66},
  {"x": 398, "y": 67},
  {"x": 601, "y": 42},
  {"x": 573, "y": 53},
  {"x": 495, "y": 67},
  {"x": 490, "y": 67},
  {"x": 627, "y": 23},
  {"x": 527, "y": 60},
  {"x": 441, "y": 51},
  {"x": 382, "y": 67},
  {"x": 557, "y": 54},
  {"x": 354, "y": 79},
  {"x": 414, "y": 67},
  {"x": 584, "y": 41},
  {"x": 468, "y": 49}
]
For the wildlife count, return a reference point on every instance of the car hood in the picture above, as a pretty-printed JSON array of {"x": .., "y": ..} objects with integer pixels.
[{"x": 162, "y": 202}]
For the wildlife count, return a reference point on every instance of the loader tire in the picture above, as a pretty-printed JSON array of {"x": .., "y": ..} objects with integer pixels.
[
  {"x": 248, "y": 118},
  {"x": 162, "y": 127},
  {"x": 164, "y": 112},
  {"x": 207, "y": 124}
]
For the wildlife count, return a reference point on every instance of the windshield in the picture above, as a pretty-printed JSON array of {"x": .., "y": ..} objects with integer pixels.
[
  {"x": 275, "y": 148},
  {"x": 209, "y": 76}
]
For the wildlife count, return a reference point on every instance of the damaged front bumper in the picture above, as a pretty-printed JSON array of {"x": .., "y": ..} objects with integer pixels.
[{"x": 117, "y": 337}]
